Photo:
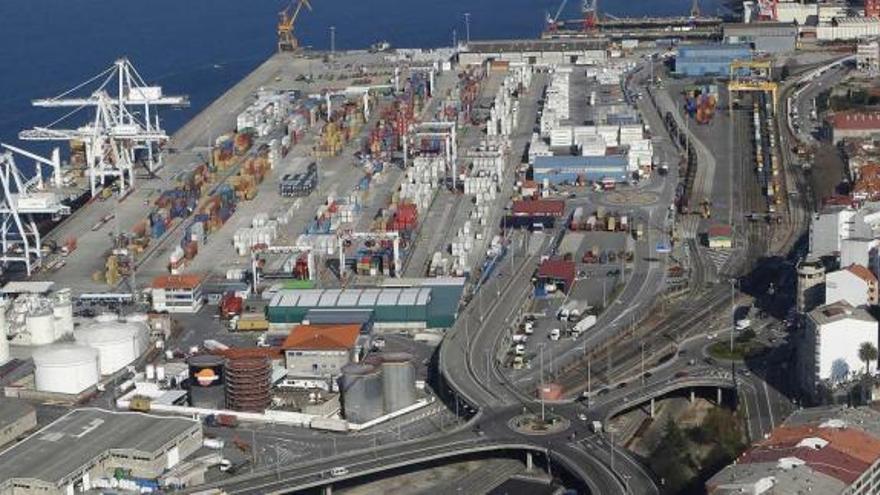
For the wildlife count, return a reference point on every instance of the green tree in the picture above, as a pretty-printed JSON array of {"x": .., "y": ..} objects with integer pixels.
[
  {"x": 671, "y": 458},
  {"x": 867, "y": 353}
]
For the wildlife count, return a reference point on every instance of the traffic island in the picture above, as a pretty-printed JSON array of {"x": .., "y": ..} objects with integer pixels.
[{"x": 534, "y": 424}]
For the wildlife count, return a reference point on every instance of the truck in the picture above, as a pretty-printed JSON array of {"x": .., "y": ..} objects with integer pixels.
[
  {"x": 743, "y": 324},
  {"x": 213, "y": 443},
  {"x": 585, "y": 324},
  {"x": 230, "y": 305},
  {"x": 252, "y": 322}
]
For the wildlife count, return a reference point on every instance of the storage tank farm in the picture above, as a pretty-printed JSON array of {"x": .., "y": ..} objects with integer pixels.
[
  {"x": 207, "y": 381},
  {"x": 361, "y": 387},
  {"x": 65, "y": 368},
  {"x": 398, "y": 381},
  {"x": 41, "y": 325},
  {"x": 248, "y": 386},
  {"x": 118, "y": 343}
]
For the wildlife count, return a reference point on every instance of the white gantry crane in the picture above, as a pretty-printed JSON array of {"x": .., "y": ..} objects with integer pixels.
[
  {"x": 125, "y": 121},
  {"x": 22, "y": 202}
]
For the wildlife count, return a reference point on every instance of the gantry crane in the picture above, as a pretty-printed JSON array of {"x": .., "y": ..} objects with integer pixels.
[
  {"x": 22, "y": 202},
  {"x": 752, "y": 75},
  {"x": 590, "y": 10},
  {"x": 122, "y": 124},
  {"x": 553, "y": 22},
  {"x": 287, "y": 42}
]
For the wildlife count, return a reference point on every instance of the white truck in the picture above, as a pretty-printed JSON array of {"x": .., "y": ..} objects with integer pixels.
[
  {"x": 585, "y": 324},
  {"x": 743, "y": 324}
]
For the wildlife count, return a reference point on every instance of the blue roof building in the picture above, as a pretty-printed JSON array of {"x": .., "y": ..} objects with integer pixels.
[
  {"x": 560, "y": 169},
  {"x": 709, "y": 59}
]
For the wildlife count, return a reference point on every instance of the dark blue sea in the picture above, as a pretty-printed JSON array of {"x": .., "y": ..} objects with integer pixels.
[{"x": 203, "y": 47}]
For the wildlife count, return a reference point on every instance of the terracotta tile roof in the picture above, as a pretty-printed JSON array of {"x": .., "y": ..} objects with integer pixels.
[
  {"x": 189, "y": 281},
  {"x": 862, "y": 272},
  {"x": 856, "y": 121},
  {"x": 851, "y": 441},
  {"x": 720, "y": 230},
  {"x": 827, "y": 460},
  {"x": 543, "y": 207},
  {"x": 322, "y": 337}
]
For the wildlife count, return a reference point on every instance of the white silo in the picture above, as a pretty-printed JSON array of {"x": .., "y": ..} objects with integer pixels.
[
  {"x": 65, "y": 368},
  {"x": 41, "y": 326},
  {"x": 118, "y": 344},
  {"x": 63, "y": 310},
  {"x": 4, "y": 343}
]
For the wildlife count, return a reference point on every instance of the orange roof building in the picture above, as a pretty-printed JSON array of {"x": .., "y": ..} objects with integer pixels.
[
  {"x": 316, "y": 354},
  {"x": 177, "y": 293}
]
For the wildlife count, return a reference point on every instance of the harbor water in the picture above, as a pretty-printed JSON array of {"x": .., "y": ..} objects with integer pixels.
[{"x": 203, "y": 47}]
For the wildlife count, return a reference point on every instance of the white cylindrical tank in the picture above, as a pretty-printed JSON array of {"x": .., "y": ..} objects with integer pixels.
[
  {"x": 118, "y": 343},
  {"x": 106, "y": 317},
  {"x": 65, "y": 368},
  {"x": 63, "y": 310},
  {"x": 41, "y": 326}
]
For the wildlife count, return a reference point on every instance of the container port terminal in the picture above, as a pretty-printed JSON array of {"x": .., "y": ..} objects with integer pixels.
[{"x": 507, "y": 262}]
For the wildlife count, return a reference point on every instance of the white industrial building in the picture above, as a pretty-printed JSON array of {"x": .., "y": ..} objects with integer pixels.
[
  {"x": 847, "y": 28},
  {"x": 855, "y": 285},
  {"x": 828, "y": 349}
]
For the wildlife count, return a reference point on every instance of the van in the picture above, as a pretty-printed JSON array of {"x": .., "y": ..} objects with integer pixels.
[
  {"x": 338, "y": 471},
  {"x": 529, "y": 328},
  {"x": 520, "y": 338},
  {"x": 519, "y": 349},
  {"x": 555, "y": 333},
  {"x": 518, "y": 362}
]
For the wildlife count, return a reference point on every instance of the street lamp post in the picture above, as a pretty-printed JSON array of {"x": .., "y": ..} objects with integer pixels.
[
  {"x": 732, "y": 311},
  {"x": 467, "y": 27}
]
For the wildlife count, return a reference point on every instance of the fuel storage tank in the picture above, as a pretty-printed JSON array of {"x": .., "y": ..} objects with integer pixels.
[
  {"x": 361, "y": 389},
  {"x": 398, "y": 381},
  {"x": 118, "y": 343},
  {"x": 65, "y": 368},
  {"x": 207, "y": 381},
  {"x": 62, "y": 308},
  {"x": 248, "y": 384},
  {"x": 41, "y": 325}
]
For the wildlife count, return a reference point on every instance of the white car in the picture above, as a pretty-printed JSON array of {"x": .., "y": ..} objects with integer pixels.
[{"x": 555, "y": 333}]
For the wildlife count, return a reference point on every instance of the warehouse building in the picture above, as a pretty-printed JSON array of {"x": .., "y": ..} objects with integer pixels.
[
  {"x": 16, "y": 418},
  {"x": 571, "y": 169},
  {"x": 766, "y": 37},
  {"x": 84, "y": 446},
  {"x": 709, "y": 59},
  {"x": 848, "y": 28},
  {"x": 535, "y": 52},
  {"x": 854, "y": 125},
  {"x": 391, "y": 307},
  {"x": 558, "y": 273}
]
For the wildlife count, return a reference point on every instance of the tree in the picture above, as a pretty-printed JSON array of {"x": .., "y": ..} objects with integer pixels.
[{"x": 867, "y": 353}]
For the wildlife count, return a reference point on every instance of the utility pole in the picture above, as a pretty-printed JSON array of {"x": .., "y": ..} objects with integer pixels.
[
  {"x": 732, "y": 311},
  {"x": 454, "y": 39},
  {"x": 541, "y": 392},
  {"x": 643, "y": 364},
  {"x": 467, "y": 27}
]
